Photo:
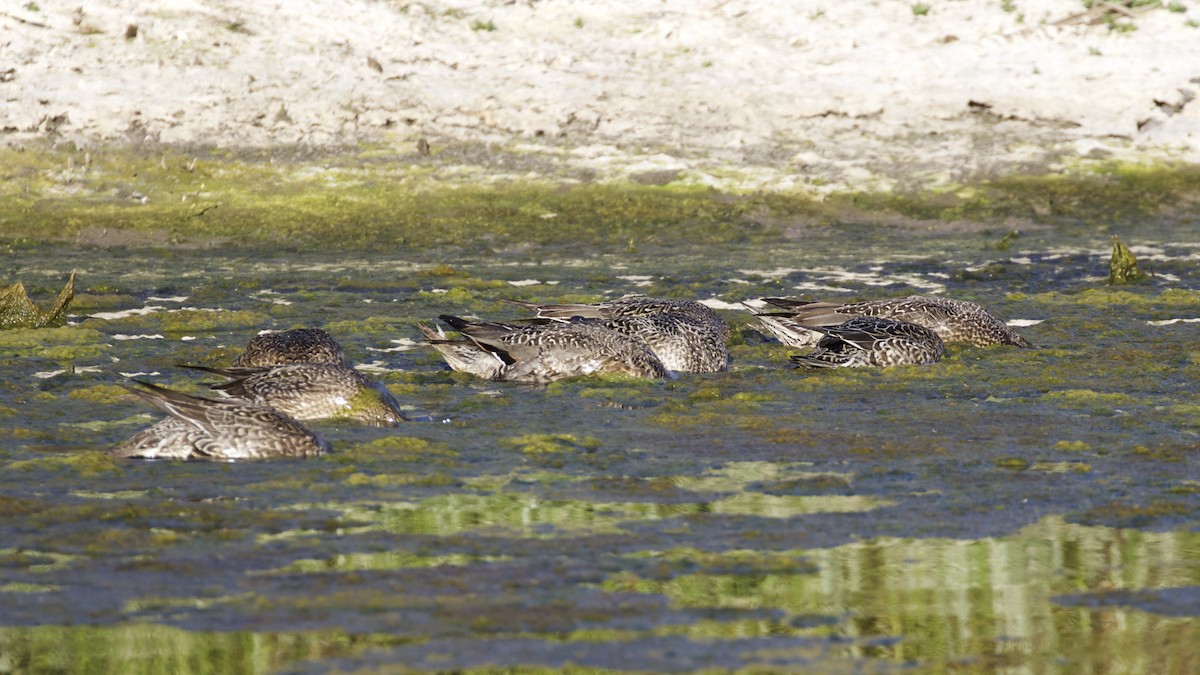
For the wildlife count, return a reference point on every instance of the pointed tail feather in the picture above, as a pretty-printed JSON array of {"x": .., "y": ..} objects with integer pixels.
[
  {"x": 432, "y": 334},
  {"x": 188, "y": 408},
  {"x": 787, "y": 303},
  {"x": 454, "y": 322},
  {"x": 232, "y": 373},
  {"x": 533, "y": 307},
  {"x": 811, "y": 362}
]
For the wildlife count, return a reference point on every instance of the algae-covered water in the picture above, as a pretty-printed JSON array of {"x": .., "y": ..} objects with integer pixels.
[{"x": 1005, "y": 510}]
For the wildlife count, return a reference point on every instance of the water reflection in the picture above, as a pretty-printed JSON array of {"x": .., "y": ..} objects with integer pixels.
[
  {"x": 980, "y": 604},
  {"x": 149, "y": 649},
  {"x": 951, "y": 517}
]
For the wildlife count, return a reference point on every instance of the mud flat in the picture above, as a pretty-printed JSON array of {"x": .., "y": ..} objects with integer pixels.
[{"x": 819, "y": 96}]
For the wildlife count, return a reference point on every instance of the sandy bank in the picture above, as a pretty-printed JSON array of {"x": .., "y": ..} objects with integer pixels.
[{"x": 815, "y": 94}]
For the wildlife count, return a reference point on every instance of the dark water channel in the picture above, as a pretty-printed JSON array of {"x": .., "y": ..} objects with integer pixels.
[{"x": 1004, "y": 510}]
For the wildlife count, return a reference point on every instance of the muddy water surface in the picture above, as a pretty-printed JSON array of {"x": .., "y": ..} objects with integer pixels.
[{"x": 1004, "y": 510}]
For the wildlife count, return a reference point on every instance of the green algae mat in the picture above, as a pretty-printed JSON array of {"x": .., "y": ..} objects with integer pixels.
[{"x": 1003, "y": 510}]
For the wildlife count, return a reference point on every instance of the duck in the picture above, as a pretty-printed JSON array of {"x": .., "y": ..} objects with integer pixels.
[
  {"x": 953, "y": 320},
  {"x": 200, "y": 428},
  {"x": 299, "y": 345},
  {"x": 540, "y": 353},
  {"x": 686, "y": 336},
  {"x": 872, "y": 341},
  {"x": 632, "y": 305},
  {"x": 311, "y": 391},
  {"x": 681, "y": 343}
]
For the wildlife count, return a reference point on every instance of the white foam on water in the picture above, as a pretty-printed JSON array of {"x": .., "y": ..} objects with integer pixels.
[
  {"x": 1168, "y": 322},
  {"x": 140, "y": 311},
  {"x": 827, "y": 279},
  {"x": 1151, "y": 253},
  {"x": 777, "y": 273},
  {"x": 265, "y": 296},
  {"x": 47, "y": 374},
  {"x": 717, "y": 303},
  {"x": 402, "y": 345},
  {"x": 821, "y": 288},
  {"x": 377, "y": 367}
]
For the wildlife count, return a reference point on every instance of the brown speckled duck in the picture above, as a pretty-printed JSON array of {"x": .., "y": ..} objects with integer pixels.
[
  {"x": 633, "y": 305},
  {"x": 873, "y": 341},
  {"x": 541, "y": 352},
  {"x": 300, "y": 345},
  {"x": 207, "y": 429},
  {"x": 686, "y": 336},
  {"x": 311, "y": 391},
  {"x": 953, "y": 320}
]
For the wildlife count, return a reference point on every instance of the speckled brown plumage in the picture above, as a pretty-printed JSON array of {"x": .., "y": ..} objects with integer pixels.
[
  {"x": 633, "y": 305},
  {"x": 680, "y": 342},
  {"x": 686, "y": 336},
  {"x": 312, "y": 391},
  {"x": 873, "y": 341},
  {"x": 953, "y": 320},
  {"x": 300, "y": 345},
  {"x": 208, "y": 429},
  {"x": 541, "y": 353}
]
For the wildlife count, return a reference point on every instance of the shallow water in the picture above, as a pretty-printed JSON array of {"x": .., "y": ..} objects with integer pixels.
[{"x": 1004, "y": 510}]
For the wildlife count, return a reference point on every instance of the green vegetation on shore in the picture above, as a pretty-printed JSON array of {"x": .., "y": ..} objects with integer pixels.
[{"x": 371, "y": 199}]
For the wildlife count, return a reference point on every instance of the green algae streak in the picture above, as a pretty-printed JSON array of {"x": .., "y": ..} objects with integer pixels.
[{"x": 367, "y": 198}]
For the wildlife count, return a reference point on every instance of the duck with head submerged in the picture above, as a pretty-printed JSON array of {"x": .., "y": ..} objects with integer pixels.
[
  {"x": 299, "y": 345},
  {"x": 540, "y": 353},
  {"x": 303, "y": 375},
  {"x": 953, "y": 320},
  {"x": 686, "y": 336},
  {"x": 311, "y": 391},
  {"x": 304, "y": 372},
  {"x": 207, "y": 429},
  {"x": 868, "y": 341},
  {"x": 632, "y": 305}
]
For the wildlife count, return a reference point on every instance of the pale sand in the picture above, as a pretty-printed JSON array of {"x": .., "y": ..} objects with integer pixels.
[{"x": 818, "y": 94}]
